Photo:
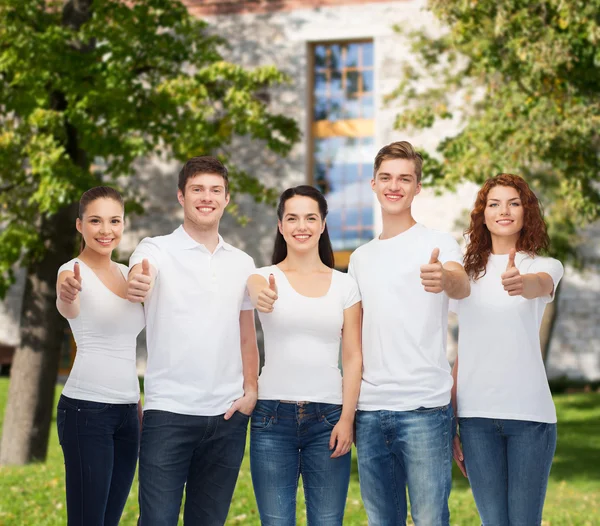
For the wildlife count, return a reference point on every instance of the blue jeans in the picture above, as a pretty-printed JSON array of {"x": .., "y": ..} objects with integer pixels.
[
  {"x": 508, "y": 463},
  {"x": 405, "y": 448},
  {"x": 202, "y": 454},
  {"x": 288, "y": 440},
  {"x": 100, "y": 445}
]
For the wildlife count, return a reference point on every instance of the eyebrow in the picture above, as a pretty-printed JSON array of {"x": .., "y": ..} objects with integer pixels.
[
  {"x": 99, "y": 217},
  {"x": 511, "y": 199},
  {"x": 210, "y": 186},
  {"x": 296, "y": 215}
]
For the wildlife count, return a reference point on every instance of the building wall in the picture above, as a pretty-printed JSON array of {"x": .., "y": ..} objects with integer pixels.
[{"x": 280, "y": 32}]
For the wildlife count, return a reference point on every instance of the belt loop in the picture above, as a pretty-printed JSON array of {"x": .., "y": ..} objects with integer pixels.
[{"x": 276, "y": 410}]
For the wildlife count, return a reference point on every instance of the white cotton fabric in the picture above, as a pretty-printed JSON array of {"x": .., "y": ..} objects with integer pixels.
[
  {"x": 192, "y": 324},
  {"x": 302, "y": 341},
  {"x": 404, "y": 327},
  {"x": 501, "y": 373},
  {"x": 105, "y": 332}
]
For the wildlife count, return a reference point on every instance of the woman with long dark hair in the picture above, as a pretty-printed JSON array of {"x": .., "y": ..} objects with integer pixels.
[
  {"x": 506, "y": 416},
  {"x": 303, "y": 421},
  {"x": 97, "y": 417}
]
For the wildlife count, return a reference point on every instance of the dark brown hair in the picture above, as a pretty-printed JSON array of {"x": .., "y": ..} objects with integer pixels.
[
  {"x": 205, "y": 164},
  {"x": 325, "y": 248},
  {"x": 89, "y": 196},
  {"x": 399, "y": 150},
  {"x": 533, "y": 238}
]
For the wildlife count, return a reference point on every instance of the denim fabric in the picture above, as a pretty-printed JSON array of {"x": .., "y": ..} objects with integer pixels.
[
  {"x": 100, "y": 445},
  {"x": 288, "y": 440},
  {"x": 397, "y": 449},
  {"x": 508, "y": 463},
  {"x": 202, "y": 454}
]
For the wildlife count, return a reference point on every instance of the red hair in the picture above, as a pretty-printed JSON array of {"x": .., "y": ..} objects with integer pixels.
[{"x": 533, "y": 238}]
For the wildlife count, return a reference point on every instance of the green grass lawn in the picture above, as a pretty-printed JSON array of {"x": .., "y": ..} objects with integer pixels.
[{"x": 34, "y": 494}]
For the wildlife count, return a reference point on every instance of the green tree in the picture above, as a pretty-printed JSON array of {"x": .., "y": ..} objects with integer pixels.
[
  {"x": 523, "y": 78},
  {"x": 100, "y": 82}
]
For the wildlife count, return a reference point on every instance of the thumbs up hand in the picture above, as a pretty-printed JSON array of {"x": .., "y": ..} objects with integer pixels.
[
  {"x": 139, "y": 283},
  {"x": 267, "y": 296},
  {"x": 71, "y": 286},
  {"x": 433, "y": 277},
  {"x": 512, "y": 280}
]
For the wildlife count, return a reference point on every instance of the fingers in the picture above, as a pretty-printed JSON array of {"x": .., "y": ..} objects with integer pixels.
[
  {"x": 145, "y": 267},
  {"x": 266, "y": 300},
  {"x": 138, "y": 288},
  {"x": 77, "y": 272},
  {"x": 272, "y": 285},
  {"x": 342, "y": 445},
  {"x": 434, "y": 256},
  {"x": 511, "y": 259},
  {"x": 231, "y": 410},
  {"x": 69, "y": 289},
  {"x": 458, "y": 455}
]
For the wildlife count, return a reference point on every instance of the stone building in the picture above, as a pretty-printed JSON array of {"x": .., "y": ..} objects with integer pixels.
[{"x": 343, "y": 57}]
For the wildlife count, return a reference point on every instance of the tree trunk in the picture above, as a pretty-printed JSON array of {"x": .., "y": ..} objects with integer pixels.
[
  {"x": 35, "y": 364},
  {"x": 548, "y": 324}
]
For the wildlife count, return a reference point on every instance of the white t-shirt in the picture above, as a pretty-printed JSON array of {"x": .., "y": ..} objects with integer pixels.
[
  {"x": 404, "y": 327},
  {"x": 193, "y": 324},
  {"x": 500, "y": 369},
  {"x": 302, "y": 341},
  {"x": 105, "y": 332}
]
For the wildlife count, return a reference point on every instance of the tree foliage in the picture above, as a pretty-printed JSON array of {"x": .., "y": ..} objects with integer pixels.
[
  {"x": 103, "y": 83},
  {"x": 523, "y": 79}
]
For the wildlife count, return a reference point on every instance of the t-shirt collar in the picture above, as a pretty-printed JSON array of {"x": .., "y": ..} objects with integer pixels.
[{"x": 185, "y": 241}]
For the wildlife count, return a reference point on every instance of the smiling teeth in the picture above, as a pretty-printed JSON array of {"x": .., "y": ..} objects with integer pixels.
[{"x": 205, "y": 209}]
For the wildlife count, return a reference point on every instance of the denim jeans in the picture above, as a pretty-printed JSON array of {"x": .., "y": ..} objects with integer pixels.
[
  {"x": 508, "y": 463},
  {"x": 288, "y": 440},
  {"x": 405, "y": 448},
  {"x": 100, "y": 445},
  {"x": 202, "y": 454}
]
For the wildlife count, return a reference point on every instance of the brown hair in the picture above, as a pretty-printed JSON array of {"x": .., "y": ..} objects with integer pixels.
[
  {"x": 205, "y": 164},
  {"x": 98, "y": 192},
  {"x": 533, "y": 238},
  {"x": 399, "y": 150}
]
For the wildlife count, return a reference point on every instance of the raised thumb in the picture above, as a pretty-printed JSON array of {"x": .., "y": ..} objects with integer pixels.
[
  {"x": 511, "y": 259},
  {"x": 145, "y": 267},
  {"x": 272, "y": 285},
  {"x": 77, "y": 272},
  {"x": 434, "y": 256}
]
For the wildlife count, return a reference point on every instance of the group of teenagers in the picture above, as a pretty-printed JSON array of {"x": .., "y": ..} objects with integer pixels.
[{"x": 396, "y": 396}]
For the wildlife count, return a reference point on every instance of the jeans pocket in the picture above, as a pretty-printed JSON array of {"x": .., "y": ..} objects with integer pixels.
[
  {"x": 332, "y": 417},
  {"x": 89, "y": 407},
  {"x": 259, "y": 422},
  {"x": 61, "y": 417},
  {"x": 427, "y": 410}
]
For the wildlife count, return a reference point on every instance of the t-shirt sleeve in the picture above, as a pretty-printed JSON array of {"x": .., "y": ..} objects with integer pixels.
[
  {"x": 449, "y": 250},
  {"x": 147, "y": 249},
  {"x": 352, "y": 292},
  {"x": 246, "y": 303},
  {"x": 550, "y": 266}
]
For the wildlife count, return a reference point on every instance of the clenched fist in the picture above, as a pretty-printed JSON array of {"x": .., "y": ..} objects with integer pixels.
[
  {"x": 433, "y": 274},
  {"x": 267, "y": 296},
  {"x": 139, "y": 284},
  {"x": 71, "y": 287},
  {"x": 512, "y": 280}
]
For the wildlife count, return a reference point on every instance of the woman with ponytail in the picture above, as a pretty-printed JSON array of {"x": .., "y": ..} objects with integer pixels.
[
  {"x": 97, "y": 417},
  {"x": 507, "y": 420},
  {"x": 303, "y": 421}
]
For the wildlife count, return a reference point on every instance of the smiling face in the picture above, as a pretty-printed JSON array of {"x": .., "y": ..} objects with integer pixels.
[
  {"x": 395, "y": 185},
  {"x": 204, "y": 200},
  {"x": 301, "y": 225},
  {"x": 503, "y": 214},
  {"x": 102, "y": 225}
]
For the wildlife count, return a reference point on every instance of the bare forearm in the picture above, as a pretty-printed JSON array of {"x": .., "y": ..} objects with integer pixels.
[
  {"x": 250, "y": 362},
  {"x": 454, "y": 387},
  {"x": 68, "y": 310},
  {"x": 457, "y": 284},
  {"x": 351, "y": 385},
  {"x": 537, "y": 285}
]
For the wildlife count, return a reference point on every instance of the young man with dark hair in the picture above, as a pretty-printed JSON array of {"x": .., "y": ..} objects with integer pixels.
[
  {"x": 201, "y": 378},
  {"x": 404, "y": 418}
]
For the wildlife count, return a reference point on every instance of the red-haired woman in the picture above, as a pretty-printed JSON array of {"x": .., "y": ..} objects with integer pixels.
[{"x": 505, "y": 412}]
